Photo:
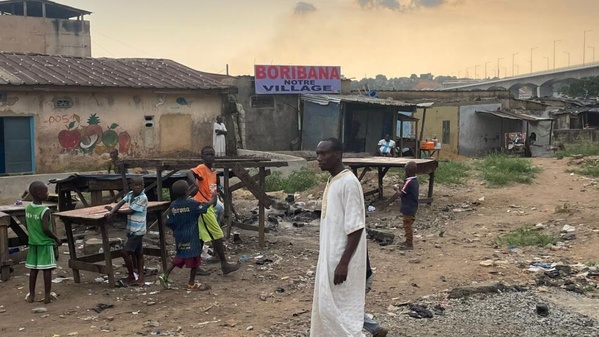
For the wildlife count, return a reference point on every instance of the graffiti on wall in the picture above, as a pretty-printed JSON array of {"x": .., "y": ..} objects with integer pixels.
[{"x": 92, "y": 138}]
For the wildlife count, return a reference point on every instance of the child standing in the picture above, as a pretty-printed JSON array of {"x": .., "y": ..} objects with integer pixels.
[
  {"x": 409, "y": 204},
  {"x": 136, "y": 228},
  {"x": 182, "y": 218},
  {"x": 42, "y": 240}
]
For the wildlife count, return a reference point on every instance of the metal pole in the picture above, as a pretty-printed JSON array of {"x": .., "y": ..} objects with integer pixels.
[
  {"x": 486, "y": 69},
  {"x": 499, "y": 59},
  {"x": 513, "y": 57},
  {"x": 531, "y": 49},
  {"x": 554, "y": 42},
  {"x": 475, "y": 67},
  {"x": 584, "y": 45}
]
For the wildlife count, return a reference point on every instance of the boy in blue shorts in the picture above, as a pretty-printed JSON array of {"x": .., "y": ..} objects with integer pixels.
[
  {"x": 182, "y": 218},
  {"x": 42, "y": 241},
  {"x": 133, "y": 253}
]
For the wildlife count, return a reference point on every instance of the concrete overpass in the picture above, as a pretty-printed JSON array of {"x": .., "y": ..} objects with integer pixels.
[{"x": 542, "y": 84}]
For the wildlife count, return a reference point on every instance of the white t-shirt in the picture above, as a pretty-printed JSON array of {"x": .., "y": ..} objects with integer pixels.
[{"x": 386, "y": 146}]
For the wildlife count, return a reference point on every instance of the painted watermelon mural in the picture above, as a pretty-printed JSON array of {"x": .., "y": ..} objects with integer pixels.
[{"x": 92, "y": 138}]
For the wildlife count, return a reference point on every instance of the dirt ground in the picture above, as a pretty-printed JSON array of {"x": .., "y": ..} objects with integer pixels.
[{"x": 454, "y": 235}]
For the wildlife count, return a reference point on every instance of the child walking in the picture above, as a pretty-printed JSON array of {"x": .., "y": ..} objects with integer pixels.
[
  {"x": 133, "y": 253},
  {"x": 409, "y": 204},
  {"x": 42, "y": 240},
  {"x": 182, "y": 218}
]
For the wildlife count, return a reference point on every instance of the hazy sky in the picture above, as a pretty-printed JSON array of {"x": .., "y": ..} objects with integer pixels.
[{"x": 364, "y": 37}]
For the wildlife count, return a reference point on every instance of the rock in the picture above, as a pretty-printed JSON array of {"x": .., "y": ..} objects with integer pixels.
[
  {"x": 542, "y": 310},
  {"x": 93, "y": 245},
  {"x": 415, "y": 261},
  {"x": 568, "y": 236},
  {"x": 539, "y": 226},
  {"x": 2, "y": 311},
  {"x": 420, "y": 311},
  {"x": 151, "y": 324},
  {"x": 249, "y": 328},
  {"x": 39, "y": 310},
  {"x": 568, "y": 229},
  {"x": 461, "y": 292},
  {"x": 73, "y": 334},
  {"x": 487, "y": 263},
  {"x": 381, "y": 237}
]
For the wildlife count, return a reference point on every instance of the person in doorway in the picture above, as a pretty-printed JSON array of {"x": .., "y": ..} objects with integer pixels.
[
  {"x": 203, "y": 181},
  {"x": 218, "y": 137},
  {"x": 42, "y": 240},
  {"x": 409, "y": 192},
  {"x": 339, "y": 296},
  {"x": 386, "y": 147}
]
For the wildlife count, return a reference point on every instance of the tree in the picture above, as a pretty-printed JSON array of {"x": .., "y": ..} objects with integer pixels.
[{"x": 584, "y": 87}]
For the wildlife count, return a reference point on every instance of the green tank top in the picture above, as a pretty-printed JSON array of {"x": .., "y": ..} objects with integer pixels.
[{"x": 34, "y": 214}]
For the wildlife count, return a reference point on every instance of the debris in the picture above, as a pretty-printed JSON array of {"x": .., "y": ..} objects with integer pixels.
[
  {"x": 39, "y": 310},
  {"x": 151, "y": 324},
  {"x": 383, "y": 238},
  {"x": 101, "y": 307},
  {"x": 249, "y": 328},
  {"x": 61, "y": 279},
  {"x": 487, "y": 263},
  {"x": 568, "y": 229},
  {"x": 420, "y": 311}
]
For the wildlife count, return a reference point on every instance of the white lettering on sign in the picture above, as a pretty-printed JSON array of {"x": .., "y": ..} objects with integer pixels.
[{"x": 297, "y": 80}]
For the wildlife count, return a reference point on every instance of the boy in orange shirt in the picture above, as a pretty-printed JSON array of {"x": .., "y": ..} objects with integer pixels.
[{"x": 202, "y": 178}]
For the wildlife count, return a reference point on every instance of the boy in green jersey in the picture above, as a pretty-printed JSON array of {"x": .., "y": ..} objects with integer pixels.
[{"x": 41, "y": 240}]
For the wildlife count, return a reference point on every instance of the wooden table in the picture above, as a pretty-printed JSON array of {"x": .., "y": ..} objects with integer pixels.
[
  {"x": 238, "y": 166},
  {"x": 383, "y": 164},
  {"x": 95, "y": 216},
  {"x": 10, "y": 217}
]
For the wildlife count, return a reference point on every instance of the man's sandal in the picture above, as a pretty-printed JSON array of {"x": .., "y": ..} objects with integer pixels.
[{"x": 198, "y": 286}]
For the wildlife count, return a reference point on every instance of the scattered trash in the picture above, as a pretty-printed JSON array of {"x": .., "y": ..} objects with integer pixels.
[
  {"x": 419, "y": 311},
  {"x": 568, "y": 229},
  {"x": 371, "y": 209},
  {"x": 244, "y": 258},
  {"x": 542, "y": 310},
  {"x": 61, "y": 279},
  {"x": 39, "y": 310},
  {"x": 101, "y": 307}
]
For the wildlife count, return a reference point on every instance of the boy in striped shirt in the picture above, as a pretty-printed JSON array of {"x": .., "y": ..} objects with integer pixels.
[
  {"x": 133, "y": 253},
  {"x": 409, "y": 204}
]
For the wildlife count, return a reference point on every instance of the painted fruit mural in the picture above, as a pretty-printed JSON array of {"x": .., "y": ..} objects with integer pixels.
[{"x": 92, "y": 138}]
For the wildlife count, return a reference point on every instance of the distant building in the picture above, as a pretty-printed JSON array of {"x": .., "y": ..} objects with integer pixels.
[{"x": 44, "y": 27}]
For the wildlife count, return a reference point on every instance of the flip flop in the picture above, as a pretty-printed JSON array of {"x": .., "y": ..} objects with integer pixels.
[{"x": 164, "y": 282}]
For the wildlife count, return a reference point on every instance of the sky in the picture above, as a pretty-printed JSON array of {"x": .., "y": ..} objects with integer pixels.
[{"x": 364, "y": 37}]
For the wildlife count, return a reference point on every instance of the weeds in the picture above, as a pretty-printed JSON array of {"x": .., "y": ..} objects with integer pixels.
[
  {"x": 500, "y": 170},
  {"x": 526, "y": 236},
  {"x": 298, "y": 181},
  {"x": 584, "y": 149},
  {"x": 452, "y": 172},
  {"x": 590, "y": 169}
]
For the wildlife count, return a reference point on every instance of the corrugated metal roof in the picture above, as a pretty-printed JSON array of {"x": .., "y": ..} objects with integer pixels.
[
  {"x": 326, "y": 99},
  {"x": 517, "y": 116},
  {"x": 34, "y": 8},
  {"x": 576, "y": 111},
  {"x": 20, "y": 69}
]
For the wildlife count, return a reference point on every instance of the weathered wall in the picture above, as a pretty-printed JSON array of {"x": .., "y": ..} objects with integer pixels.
[
  {"x": 480, "y": 133},
  {"x": 45, "y": 36},
  {"x": 575, "y": 136},
  {"x": 268, "y": 128},
  {"x": 433, "y": 125},
  {"x": 80, "y": 137}
]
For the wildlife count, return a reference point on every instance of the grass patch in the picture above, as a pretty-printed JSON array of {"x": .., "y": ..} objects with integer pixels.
[
  {"x": 526, "y": 236},
  {"x": 585, "y": 149},
  {"x": 590, "y": 169},
  {"x": 298, "y": 181},
  {"x": 452, "y": 172},
  {"x": 501, "y": 169}
]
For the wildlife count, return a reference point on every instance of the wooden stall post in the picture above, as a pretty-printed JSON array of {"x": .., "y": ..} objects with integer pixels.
[
  {"x": 107, "y": 253},
  {"x": 262, "y": 181},
  {"x": 72, "y": 252},
  {"x": 5, "y": 262},
  {"x": 228, "y": 200},
  {"x": 162, "y": 239},
  {"x": 159, "y": 185}
]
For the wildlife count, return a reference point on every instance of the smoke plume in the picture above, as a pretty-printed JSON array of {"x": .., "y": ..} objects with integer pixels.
[
  {"x": 303, "y": 8},
  {"x": 395, "y": 5}
]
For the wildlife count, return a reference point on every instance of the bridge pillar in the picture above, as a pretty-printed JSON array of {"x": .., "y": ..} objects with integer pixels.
[
  {"x": 545, "y": 91},
  {"x": 515, "y": 92}
]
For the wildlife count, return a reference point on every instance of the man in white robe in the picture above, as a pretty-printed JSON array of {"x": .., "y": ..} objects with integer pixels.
[
  {"x": 219, "y": 141},
  {"x": 339, "y": 295}
]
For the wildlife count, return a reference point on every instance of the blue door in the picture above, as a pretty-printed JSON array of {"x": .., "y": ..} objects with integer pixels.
[{"x": 16, "y": 145}]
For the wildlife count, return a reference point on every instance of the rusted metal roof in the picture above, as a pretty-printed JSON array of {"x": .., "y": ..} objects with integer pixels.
[
  {"x": 19, "y": 69},
  {"x": 516, "y": 116},
  {"x": 34, "y": 8},
  {"x": 326, "y": 99}
]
